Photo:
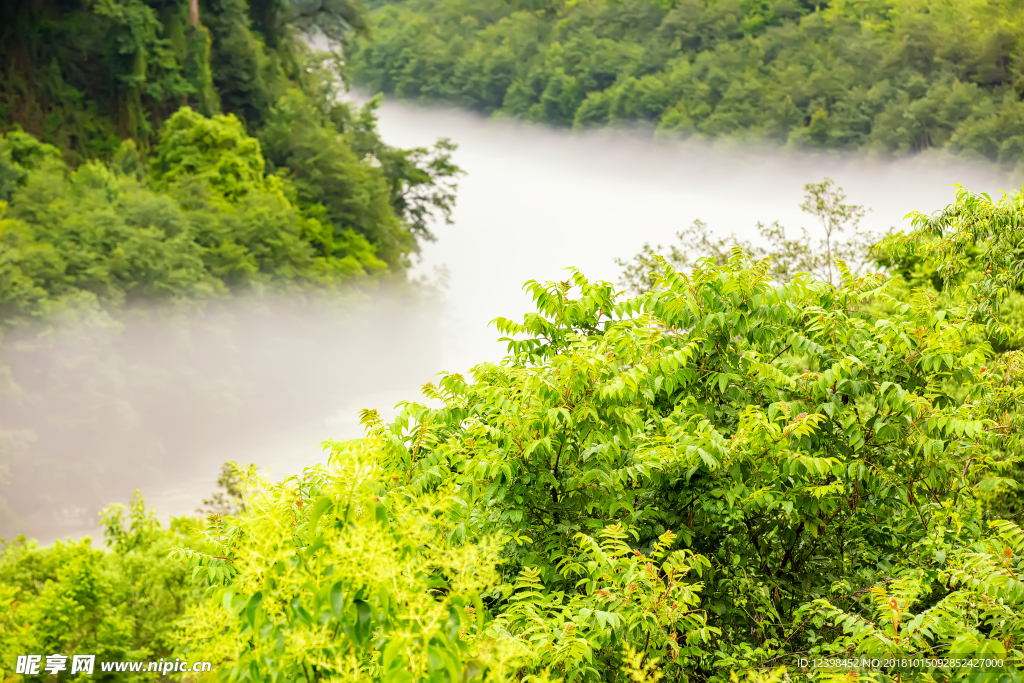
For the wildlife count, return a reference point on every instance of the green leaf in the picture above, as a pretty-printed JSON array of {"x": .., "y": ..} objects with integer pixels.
[
  {"x": 337, "y": 600},
  {"x": 316, "y": 511},
  {"x": 363, "y": 621},
  {"x": 252, "y": 606}
]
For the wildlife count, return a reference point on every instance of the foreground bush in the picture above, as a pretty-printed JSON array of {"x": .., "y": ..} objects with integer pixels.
[
  {"x": 118, "y": 604},
  {"x": 719, "y": 474}
]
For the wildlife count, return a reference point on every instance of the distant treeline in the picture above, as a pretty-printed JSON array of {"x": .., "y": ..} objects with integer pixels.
[{"x": 890, "y": 76}]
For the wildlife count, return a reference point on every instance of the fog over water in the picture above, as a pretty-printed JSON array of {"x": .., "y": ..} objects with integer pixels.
[
  {"x": 536, "y": 200},
  {"x": 267, "y": 386}
]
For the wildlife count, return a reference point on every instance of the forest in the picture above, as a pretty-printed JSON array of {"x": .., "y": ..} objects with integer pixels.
[
  {"x": 184, "y": 163},
  {"x": 889, "y": 77},
  {"x": 741, "y": 458}
]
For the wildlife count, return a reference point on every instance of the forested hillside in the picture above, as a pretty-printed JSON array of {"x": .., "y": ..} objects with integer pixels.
[
  {"x": 86, "y": 77},
  {"x": 172, "y": 153},
  {"x": 757, "y": 464},
  {"x": 889, "y": 76}
]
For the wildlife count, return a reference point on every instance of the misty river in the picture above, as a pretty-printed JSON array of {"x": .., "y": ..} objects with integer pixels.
[{"x": 533, "y": 202}]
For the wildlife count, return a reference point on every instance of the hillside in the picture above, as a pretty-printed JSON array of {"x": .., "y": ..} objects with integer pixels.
[
  {"x": 763, "y": 464},
  {"x": 174, "y": 155},
  {"x": 887, "y": 76},
  {"x": 85, "y": 77}
]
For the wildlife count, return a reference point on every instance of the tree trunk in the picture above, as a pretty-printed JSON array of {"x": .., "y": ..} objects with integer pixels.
[{"x": 193, "y": 12}]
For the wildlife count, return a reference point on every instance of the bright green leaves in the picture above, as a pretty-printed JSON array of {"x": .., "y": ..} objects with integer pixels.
[
  {"x": 949, "y": 237},
  {"x": 216, "y": 149},
  {"x": 77, "y": 599},
  {"x": 620, "y": 595},
  {"x": 978, "y": 616},
  {"x": 333, "y": 578},
  {"x": 778, "y": 431}
]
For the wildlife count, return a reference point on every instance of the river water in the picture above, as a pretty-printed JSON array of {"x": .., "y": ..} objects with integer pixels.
[{"x": 533, "y": 202}]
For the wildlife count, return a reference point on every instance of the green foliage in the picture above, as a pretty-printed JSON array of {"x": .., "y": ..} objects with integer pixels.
[
  {"x": 216, "y": 150},
  {"x": 341, "y": 581},
  {"x": 968, "y": 253},
  {"x": 719, "y": 474},
  {"x": 331, "y": 179},
  {"x": 99, "y": 234},
  {"x": 737, "y": 465},
  {"x": 892, "y": 77},
  {"x": 976, "y": 230},
  {"x": 207, "y": 219},
  {"x": 320, "y": 577},
  {"x": 797, "y": 440},
  {"x": 72, "y": 598},
  {"x": 157, "y": 73},
  {"x": 83, "y": 75},
  {"x": 979, "y": 617},
  {"x": 628, "y": 597}
]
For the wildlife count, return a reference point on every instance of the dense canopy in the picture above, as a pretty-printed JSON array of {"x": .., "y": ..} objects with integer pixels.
[{"x": 889, "y": 76}]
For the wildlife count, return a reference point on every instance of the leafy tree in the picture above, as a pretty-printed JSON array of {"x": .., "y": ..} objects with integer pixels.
[
  {"x": 73, "y": 598},
  {"x": 98, "y": 233},
  {"x": 330, "y": 176},
  {"x": 824, "y": 201},
  {"x": 969, "y": 251},
  {"x": 247, "y": 60},
  {"x": 803, "y": 446},
  {"x": 319, "y": 578},
  {"x": 216, "y": 150}
]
